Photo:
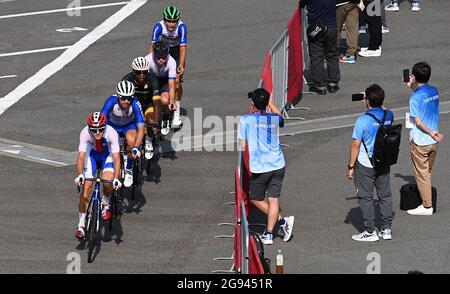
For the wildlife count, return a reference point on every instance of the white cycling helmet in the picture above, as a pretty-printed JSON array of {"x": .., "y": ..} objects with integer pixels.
[
  {"x": 140, "y": 63},
  {"x": 125, "y": 89}
]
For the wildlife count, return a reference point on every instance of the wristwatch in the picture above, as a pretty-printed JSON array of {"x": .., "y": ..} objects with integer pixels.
[{"x": 350, "y": 167}]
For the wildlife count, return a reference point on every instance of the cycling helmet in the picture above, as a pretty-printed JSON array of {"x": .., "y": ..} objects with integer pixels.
[
  {"x": 96, "y": 120},
  {"x": 171, "y": 13},
  {"x": 160, "y": 49},
  {"x": 125, "y": 89},
  {"x": 140, "y": 63}
]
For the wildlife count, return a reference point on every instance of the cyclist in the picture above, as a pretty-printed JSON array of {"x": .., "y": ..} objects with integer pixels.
[
  {"x": 146, "y": 87},
  {"x": 101, "y": 144},
  {"x": 164, "y": 67},
  {"x": 124, "y": 114},
  {"x": 174, "y": 32}
]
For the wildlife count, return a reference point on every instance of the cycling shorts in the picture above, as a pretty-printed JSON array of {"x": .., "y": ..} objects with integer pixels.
[
  {"x": 103, "y": 159},
  {"x": 123, "y": 130}
]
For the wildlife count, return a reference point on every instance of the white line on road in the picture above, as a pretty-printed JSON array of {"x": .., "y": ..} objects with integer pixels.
[
  {"x": 68, "y": 55},
  {"x": 6, "y": 77},
  {"x": 33, "y": 51},
  {"x": 62, "y": 10}
]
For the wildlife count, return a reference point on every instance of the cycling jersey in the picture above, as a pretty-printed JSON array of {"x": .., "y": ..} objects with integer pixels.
[
  {"x": 167, "y": 70},
  {"x": 145, "y": 92},
  {"x": 109, "y": 141},
  {"x": 177, "y": 37},
  {"x": 98, "y": 152},
  {"x": 123, "y": 117}
]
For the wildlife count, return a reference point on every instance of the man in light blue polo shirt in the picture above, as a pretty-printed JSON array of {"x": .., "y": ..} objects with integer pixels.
[
  {"x": 424, "y": 113},
  {"x": 259, "y": 131},
  {"x": 361, "y": 169}
]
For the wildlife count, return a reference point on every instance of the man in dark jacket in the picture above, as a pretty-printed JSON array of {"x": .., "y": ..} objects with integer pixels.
[{"x": 322, "y": 45}]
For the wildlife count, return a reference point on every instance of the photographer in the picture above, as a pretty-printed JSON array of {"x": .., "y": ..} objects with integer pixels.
[
  {"x": 424, "y": 136},
  {"x": 259, "y": 131},
  {"x": 360, "y": 167},
  {"x": 322, "y": 34}
]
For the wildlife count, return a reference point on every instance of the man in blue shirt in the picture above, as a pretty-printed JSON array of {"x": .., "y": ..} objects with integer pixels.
[
  {"x": 361, "y": 169},
  {"x": 424, "y": 113},
  {"x": 259, "y": 131}
]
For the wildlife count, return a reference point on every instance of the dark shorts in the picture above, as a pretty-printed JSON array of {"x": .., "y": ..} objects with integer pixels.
[
  {"x": 269, "y": 181},
  {"x": 175, "y": 53},
  {"x": 163, "y": 84}
]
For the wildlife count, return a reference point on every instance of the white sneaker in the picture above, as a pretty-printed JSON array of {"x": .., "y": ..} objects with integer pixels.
[
  {"x": 384, "y": 29},
  {"x": 128, "y": 179},
  {"x": 287, "y": 227},
  {"x": 392, "y": 7},
  {"x": 267, "y": 239},
  {"x": 367, "y": 48},
  {"x": 165, "y": 128},
  {"x": 176, "y": 121},
  {"x": 386, "y": 234},
  {"x": 420, "y": 211},
  {"x": 415, "y": 7},
  {"x": 148, "y": 148},
  {"x": 366, "y": 237},
  {"x": 370, "y": 53}
]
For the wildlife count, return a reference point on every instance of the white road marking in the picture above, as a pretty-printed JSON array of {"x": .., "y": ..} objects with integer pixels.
[
  {"x": 35, "y": 153},
  {"x": 68, "y": 55},
  {"x": 33, "y": 51},
  {"x": 39, "y": 159},
  {"x": 69, "y": 30},
  {"x": 62, "y": 10},
  {"x": 7, "y": 77},
  {"x": 11, "y": 151},
  {"x": 1, "y": 1}
]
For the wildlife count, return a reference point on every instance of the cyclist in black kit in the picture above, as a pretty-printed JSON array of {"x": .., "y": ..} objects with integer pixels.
[{"x": 147, "y": 90}]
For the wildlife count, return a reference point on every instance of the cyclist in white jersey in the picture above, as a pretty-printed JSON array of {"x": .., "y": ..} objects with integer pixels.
[
  {"x": 101, "y": 144},
  {"x": 173, "y": 31},
  {"x": 164, "y": 67}
]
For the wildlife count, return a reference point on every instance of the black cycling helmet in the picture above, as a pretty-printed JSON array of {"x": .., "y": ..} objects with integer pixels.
[{"x": 160, "y": 49}]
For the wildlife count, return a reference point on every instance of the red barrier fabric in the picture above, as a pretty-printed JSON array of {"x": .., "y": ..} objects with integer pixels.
[
  {"x": 295, "y": 67},
  {"x": 266, "y": 74},
  {"x": 237, "y": 215},
  {"x": 246, "y": 176},
  {"x": 254, "y": 262}
]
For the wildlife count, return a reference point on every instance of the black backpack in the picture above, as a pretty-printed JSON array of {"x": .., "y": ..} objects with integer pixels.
[{"x": 387, "y": 144}]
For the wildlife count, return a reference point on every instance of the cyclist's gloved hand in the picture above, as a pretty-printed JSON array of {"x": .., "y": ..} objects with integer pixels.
[
  {"x": 117, "y": 184},
  {"x": 79, "y": 180},
  {"x": 136, "y": 153}
]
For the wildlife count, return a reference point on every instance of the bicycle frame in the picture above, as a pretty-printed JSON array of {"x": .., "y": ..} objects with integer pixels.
[{"x": 95, "y": 197}]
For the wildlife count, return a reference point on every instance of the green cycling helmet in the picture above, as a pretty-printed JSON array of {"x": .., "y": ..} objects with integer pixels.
[{"x": 171, "y": 13}]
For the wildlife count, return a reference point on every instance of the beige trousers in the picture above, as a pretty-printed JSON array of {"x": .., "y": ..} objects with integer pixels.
[{"x": 422, "y": 159}]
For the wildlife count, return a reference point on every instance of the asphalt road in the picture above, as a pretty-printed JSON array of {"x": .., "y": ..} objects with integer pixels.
[{"x": 171, "y": 228}]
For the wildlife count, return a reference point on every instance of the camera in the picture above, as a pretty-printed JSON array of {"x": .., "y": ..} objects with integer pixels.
[{"x": 357, "y": 97}]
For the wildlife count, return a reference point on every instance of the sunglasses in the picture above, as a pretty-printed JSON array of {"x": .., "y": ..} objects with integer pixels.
[
  {"x": 141, "y": 72},
  {"x": 97, "y": 130},
  {"x": 171, "y": 21},
  {"x": 125, "y": 98},
  {"x": 161, "y": 57}
]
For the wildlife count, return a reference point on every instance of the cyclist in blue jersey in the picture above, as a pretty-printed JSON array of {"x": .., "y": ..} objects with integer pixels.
[
  {"x": 124, "y": 114},
  {"x": 173, "y": 31}
]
